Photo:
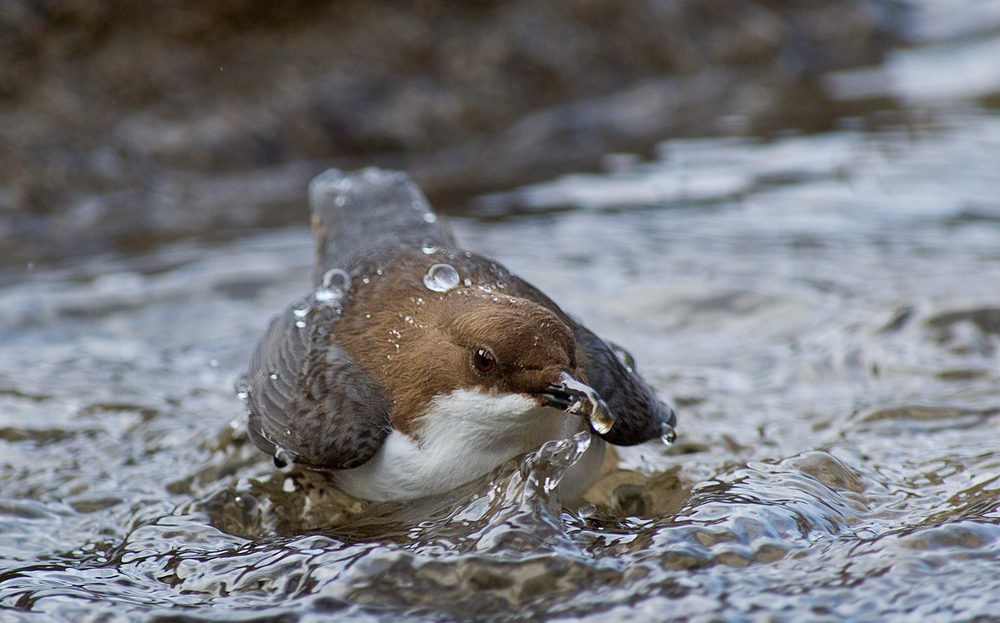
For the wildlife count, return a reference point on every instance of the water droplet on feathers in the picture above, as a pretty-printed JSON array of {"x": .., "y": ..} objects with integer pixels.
[
  {"x": 336, "y": 282},
  {"x": 441, "y": 278}
]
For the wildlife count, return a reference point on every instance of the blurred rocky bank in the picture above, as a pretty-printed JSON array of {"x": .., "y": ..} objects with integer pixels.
[{"x": 123, "y": 124}]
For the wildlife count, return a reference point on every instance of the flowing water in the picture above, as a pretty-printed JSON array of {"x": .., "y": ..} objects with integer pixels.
[{"x": 823, "y": 312}]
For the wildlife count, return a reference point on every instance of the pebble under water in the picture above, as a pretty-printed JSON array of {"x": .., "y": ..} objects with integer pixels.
[{"x": 826, "y": 331}]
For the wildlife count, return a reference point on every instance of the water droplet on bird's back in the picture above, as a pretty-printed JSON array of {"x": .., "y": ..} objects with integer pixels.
[
  {"x": 301, "y": 313},
  {"x": 337, "y": 280},
  {"x": 335, "y": 284},
  {"x": 441, "y": 278},
  {"x": 243, "y": 389},
  {"x": 428, "y": 247}
]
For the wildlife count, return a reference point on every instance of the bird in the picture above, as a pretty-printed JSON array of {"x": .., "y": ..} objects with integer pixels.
[{"x": 414, "y": 366}]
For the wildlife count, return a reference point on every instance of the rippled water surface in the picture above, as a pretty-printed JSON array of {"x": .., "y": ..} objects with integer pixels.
[{"x": 824, "y": 313}]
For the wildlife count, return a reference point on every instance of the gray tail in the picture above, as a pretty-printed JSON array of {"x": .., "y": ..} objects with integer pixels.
[{"x": 367, "y": 211}]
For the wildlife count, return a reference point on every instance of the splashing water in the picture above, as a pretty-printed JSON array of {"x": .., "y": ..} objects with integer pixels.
[
  {"x": 668, "y": 435},
  {"x": 587, "y": 403},
  {"x": 828, "y": 343},
  {"x": 549, "y": 463}
]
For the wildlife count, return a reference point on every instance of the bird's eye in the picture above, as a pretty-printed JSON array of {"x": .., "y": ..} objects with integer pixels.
[{"x": 484, "y": 360}]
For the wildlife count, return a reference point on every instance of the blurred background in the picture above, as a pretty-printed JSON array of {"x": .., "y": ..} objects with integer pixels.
[{"x": 124, "y": 124}]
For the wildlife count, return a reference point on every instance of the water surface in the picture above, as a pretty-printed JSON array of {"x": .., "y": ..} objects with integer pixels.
[{"x": 822, "y": 311}]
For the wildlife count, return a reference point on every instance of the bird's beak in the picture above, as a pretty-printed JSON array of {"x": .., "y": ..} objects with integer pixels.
[{"x": 572, "y": 396}]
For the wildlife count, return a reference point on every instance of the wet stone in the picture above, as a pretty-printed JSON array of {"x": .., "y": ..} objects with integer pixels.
[
  {"x": 828, "y": 470},
  {"x": 915, "y": 413},
  {"x": 962, "y": 374}
]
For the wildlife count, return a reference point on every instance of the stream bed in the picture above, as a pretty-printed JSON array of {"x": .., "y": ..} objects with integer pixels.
[{"x": 822, "y": 311}]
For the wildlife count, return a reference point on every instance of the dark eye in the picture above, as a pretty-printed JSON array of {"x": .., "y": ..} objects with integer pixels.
[{"x": 484, "y": 360}]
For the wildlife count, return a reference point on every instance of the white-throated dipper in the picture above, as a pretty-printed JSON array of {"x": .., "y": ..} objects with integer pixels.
[{"x": 415, "y": 367}]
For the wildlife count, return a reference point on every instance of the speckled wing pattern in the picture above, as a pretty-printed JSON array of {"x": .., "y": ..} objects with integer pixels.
[{"x": 309, "y": 398}]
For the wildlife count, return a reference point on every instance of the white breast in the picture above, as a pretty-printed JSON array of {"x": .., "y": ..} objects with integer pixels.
[{"x": 466, "y": 434}]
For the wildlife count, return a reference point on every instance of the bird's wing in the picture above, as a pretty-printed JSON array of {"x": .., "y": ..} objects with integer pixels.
[
  {"x": 309, "y": 401},
  {"x": 359, "y": 215}
]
